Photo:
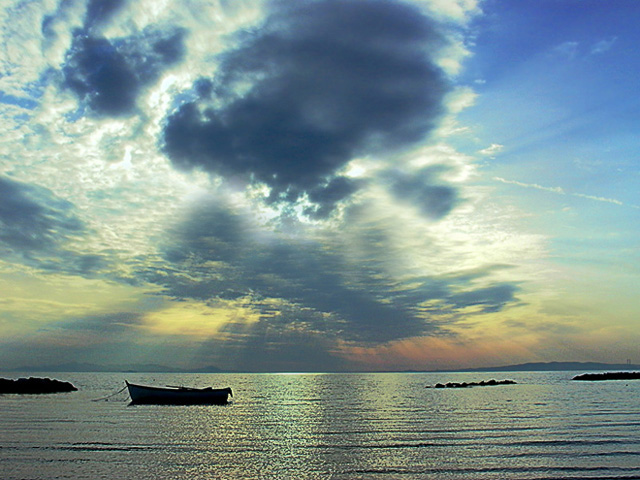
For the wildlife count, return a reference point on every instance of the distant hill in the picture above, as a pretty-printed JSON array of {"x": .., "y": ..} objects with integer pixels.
[
  {"x": 155, "y": 368},
  {"x": 555, "y": 366}
]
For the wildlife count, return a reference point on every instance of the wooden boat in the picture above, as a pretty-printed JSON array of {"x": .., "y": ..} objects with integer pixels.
[{"x": 142, "y": 394}]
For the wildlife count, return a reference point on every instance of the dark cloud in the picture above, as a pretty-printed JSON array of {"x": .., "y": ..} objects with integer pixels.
[
  {"x": 98, "y": 13},
  {"x": 424, "y": 190},
  {"x": 204, "y": 88},
  {"x": 304, "y": 274},
  {"x": 281, "y": 343},
  {"x": 313, "y": 287},
  {"x": 106, "y": 339},
  {"x": 101, "y": 11},
  {"x": 107, "y": 75},
  {"x": 32, "y": 218},
  {"x": 36, "y": 226},
  {"x": 47, "y": 27},
  {"x": 491, "y": 299},
  {"x": 109, "y": 323},
  {"x": 326, "y": 197},
  {"x": 319, "y": 83},
  {"x": 100, "y": 76}
]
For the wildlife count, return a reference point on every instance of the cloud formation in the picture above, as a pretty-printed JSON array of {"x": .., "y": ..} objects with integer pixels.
[
  {"x": 33, "y": 219},
  {"x": 561, "y": 191},
  {"x": 425, "y": 190},
  {"x": 107, "y": 75},
  {"x": 333, "y": 112},
  {"x": 37, "y": 227},
  {"x": 303, "y": 94},
  {"x": 313, "y": 288}
]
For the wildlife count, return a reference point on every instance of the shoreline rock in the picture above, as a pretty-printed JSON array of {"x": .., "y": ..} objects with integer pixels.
[
  {"x": 608, "y": 376},
  {"x": 34, "y": 385},
  {"x": 483, "y": 383}
]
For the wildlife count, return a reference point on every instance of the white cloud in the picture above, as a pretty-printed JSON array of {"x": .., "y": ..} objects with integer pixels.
[
  {"x": 561, "y": 191},
  {"x": 456, "y": 101},
  {"x": 492, "y": 150},
  {"x": 530, "y": 185},
  {"x": 567, "y": 49},
  {"x": 603, "y": 45},
  {"x": 461, "y": 11}
]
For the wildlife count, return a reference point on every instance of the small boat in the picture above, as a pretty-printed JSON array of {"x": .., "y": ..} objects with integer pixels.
[{"x": 170, "y": 395}]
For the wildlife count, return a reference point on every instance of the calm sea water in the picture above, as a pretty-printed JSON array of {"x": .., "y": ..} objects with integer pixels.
[{"x": 327, "y": 426}]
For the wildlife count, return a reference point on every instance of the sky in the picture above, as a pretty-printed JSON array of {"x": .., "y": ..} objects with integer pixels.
[{"x": 319, "y": 185}]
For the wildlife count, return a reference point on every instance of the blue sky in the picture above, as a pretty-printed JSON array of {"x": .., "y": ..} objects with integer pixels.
[
  {"x": 319, "y": 185},
  {"x": 563, "y": 107}
]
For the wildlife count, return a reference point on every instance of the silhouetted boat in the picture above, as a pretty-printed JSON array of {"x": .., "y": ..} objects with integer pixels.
[{"x": 142, "y": 394}]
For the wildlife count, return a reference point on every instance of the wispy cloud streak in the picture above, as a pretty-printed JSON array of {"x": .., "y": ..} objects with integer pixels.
[{"x": 561, "y": 191}]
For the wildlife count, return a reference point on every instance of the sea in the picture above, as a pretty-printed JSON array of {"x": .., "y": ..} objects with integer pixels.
[{"x": 327, "y": 426}]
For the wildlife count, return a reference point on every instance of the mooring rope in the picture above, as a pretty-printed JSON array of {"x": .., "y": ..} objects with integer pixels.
[{"x": 109, "y": 396}]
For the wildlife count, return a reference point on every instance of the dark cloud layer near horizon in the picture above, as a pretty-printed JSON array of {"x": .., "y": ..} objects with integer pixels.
[
  {"x": 313, "y": 288},
  {"x": 295, "y": 273},
  {"x": 300, "y": 96}
]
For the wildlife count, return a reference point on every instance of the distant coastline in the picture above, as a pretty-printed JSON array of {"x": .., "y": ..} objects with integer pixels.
[
  {"x": 552, "y": 367},
  {"x": 156, "y": 368}
]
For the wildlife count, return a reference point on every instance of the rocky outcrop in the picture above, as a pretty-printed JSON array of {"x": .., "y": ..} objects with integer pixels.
[
  {"x": 35, "y": 385},
  {"x": 608, "y": 376},
  {"x": 472, "y": 384}
]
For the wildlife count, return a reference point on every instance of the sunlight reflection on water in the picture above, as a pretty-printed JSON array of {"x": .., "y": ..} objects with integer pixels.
[{"x": 328, "y": 426}]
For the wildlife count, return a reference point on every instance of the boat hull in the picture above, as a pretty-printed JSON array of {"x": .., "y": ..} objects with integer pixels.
[{"x": 142, "y": 394}]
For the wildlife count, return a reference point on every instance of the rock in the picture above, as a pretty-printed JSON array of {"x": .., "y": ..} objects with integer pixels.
[
  {"x": 483, "y": 383},
  {"x": 608, "y": 376},
  {"x": 35, "y": 385}
]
